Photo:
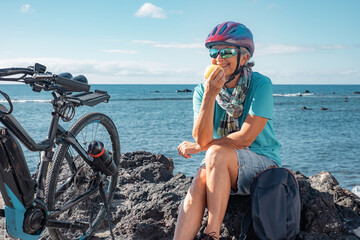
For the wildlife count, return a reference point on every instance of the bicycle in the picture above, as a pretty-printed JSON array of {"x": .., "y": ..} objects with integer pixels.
[{"x": 78, "y": 167}]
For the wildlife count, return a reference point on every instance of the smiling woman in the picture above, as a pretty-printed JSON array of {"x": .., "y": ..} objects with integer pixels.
[{"x": 233, "y": 123}]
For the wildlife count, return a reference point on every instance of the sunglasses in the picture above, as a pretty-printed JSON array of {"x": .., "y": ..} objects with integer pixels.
[{"x": 224, "y": 53}]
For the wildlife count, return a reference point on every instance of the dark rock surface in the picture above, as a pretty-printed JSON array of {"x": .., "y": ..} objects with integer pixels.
[{"x": 148, "y": 196}]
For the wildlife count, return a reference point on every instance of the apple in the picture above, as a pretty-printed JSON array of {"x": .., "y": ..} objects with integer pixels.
[{"x": 210, "y": 69}]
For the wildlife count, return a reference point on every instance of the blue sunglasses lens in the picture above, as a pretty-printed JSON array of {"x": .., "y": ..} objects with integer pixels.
[
  {"x": 224, "y": 53},
  {"x": 214, "y": 52}
]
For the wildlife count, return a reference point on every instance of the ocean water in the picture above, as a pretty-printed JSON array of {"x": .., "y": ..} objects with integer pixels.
[{"x": 157, "y": 118}]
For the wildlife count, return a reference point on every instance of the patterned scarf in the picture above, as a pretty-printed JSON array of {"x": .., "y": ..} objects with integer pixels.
[{"x": 233, "y": 104}]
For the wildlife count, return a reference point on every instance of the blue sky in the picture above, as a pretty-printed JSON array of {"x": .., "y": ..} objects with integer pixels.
[{"x": 162, "y": 41}]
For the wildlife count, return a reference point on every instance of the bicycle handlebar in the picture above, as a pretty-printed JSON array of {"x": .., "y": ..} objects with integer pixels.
[
  {"x": 14, "y": 71},
  {"x": 76, "y": 84},
  {"x": 72, "y": 84}
]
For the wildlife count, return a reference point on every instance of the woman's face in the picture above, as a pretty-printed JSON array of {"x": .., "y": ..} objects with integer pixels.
[{"x": 228, "y": 64}]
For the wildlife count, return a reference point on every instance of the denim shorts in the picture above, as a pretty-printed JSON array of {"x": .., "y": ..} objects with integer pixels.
[{"x": 250, "y": 163}]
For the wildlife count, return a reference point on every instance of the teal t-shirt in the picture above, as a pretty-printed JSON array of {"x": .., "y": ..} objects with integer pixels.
[{"x": 259, "y": 101}]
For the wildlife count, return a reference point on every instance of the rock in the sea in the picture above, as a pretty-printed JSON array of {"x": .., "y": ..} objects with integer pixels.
[
  {"x": 305, "y": 108},
  {"x": 184, "y": 90}
]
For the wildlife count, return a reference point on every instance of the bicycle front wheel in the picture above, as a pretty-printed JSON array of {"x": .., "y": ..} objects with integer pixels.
[{"x": 70, "y": 178}]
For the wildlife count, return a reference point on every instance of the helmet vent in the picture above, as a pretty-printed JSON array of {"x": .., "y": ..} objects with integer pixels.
[
  {"x": 213, "y": 33},
  {"x": 232, "y": 31},
  {"x": 223, "y": 29}
]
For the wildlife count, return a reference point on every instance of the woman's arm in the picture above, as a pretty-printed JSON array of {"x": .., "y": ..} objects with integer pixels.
[
  {"x": 203, "y": 124},
  {"x": 249, "y": 131}
]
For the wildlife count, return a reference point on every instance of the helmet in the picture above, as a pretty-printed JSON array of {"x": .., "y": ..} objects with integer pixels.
[{"x": 231, "y": 33}]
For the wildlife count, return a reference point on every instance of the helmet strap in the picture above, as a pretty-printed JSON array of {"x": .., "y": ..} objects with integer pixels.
[{"x": 237, "y": 69}]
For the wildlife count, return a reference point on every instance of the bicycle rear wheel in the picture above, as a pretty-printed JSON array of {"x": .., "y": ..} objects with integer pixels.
[{"x": 70, "y": 177}]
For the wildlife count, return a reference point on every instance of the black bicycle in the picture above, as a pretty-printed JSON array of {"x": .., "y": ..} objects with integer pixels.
[{"x": 78, "y": 167}]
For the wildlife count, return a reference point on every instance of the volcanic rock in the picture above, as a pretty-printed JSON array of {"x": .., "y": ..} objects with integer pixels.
[{"x": 148, "y": 195}]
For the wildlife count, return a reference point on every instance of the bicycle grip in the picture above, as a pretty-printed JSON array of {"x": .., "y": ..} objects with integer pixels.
[{"x": 71, "y": 84}]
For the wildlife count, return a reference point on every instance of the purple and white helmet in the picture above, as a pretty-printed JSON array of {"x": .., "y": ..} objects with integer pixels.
[{"x": 231, "y": 33}]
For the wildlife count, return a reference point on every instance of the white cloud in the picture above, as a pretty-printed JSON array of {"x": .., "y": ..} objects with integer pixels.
[
  {"x": 260, "y": 49},
  {"x": 170, "y": 44},
  {"x": 285, "y": 49},
  {"x": 150, "y": 10},
  {"x": 179, "y": 45},
  {"x": 144, "y": 42},
  {"x": 279, "y": 49},
  {"x": 352, "y": 72},
  {"x": 25, "y": 8},
  {"x": 107, "y": 71},
  {"x": 120, "y": 51},
  {"x": 143, "y": 72}
]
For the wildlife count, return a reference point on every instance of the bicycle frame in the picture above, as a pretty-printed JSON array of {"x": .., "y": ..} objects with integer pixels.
[{"x": 16, "y": 185}]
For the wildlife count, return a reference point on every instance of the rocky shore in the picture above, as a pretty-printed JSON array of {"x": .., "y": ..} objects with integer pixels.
[{"x": 147, "y": 197}]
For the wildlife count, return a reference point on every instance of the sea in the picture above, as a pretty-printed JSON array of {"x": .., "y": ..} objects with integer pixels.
[{"x": 317, "y": 125}]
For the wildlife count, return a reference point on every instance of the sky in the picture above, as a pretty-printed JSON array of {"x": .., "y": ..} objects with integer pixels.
[{"x": 162, "y": 41}]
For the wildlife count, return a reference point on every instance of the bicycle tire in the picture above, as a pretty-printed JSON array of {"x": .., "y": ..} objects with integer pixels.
[{"x": 60, "y": 171}]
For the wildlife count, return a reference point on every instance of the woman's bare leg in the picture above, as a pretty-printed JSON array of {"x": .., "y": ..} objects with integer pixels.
[
  {"x": 191, "y": 210},
  {"x": 221, "y": 176}
]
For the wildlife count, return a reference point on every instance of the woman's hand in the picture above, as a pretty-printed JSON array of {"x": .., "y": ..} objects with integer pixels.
[
  {"x": 186, "y": 148},
  {"x": 215, "y": 82}
]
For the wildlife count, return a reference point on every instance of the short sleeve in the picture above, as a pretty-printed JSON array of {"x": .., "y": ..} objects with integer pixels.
[
  {"x": 197, "y": 99},
  {"x": 262, "y": 101}
]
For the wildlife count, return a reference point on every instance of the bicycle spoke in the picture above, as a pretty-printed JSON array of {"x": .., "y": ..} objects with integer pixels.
[
  {"x": 73, "y": 202},
  {"x": 63, "y": 187}
]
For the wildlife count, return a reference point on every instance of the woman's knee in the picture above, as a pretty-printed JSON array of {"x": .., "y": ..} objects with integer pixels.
[
  {"x": 199, "y": 182},
  {"x": 220, "y": 156}
]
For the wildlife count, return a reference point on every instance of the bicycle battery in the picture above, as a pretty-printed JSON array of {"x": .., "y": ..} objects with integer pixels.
[{"x": 14, "y": 172}]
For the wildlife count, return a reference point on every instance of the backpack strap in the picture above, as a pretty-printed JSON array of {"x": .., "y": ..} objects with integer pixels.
[{"x": 245, "y": 224}]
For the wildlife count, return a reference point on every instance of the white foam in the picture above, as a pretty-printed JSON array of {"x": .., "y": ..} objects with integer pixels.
[
  {"x": 292, "y": 94},
  {"x": 356, "y": 190},
  {"x": 24, "y": 101}
]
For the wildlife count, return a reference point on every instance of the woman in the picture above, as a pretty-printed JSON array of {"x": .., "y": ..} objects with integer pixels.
[{"x": 233, "y": 111}]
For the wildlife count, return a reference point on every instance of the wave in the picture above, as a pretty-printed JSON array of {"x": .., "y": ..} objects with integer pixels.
[
  {"x": 150, "y": 99},
  {"x": 119, "y": 99},
  {"x": 25, "y": 101},
  {"x": 292, "y": 94},
  {"x": 356, "y": 190}
]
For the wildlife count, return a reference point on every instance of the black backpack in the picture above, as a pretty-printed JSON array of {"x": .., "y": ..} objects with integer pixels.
[{"x": 275, "y": 206}]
